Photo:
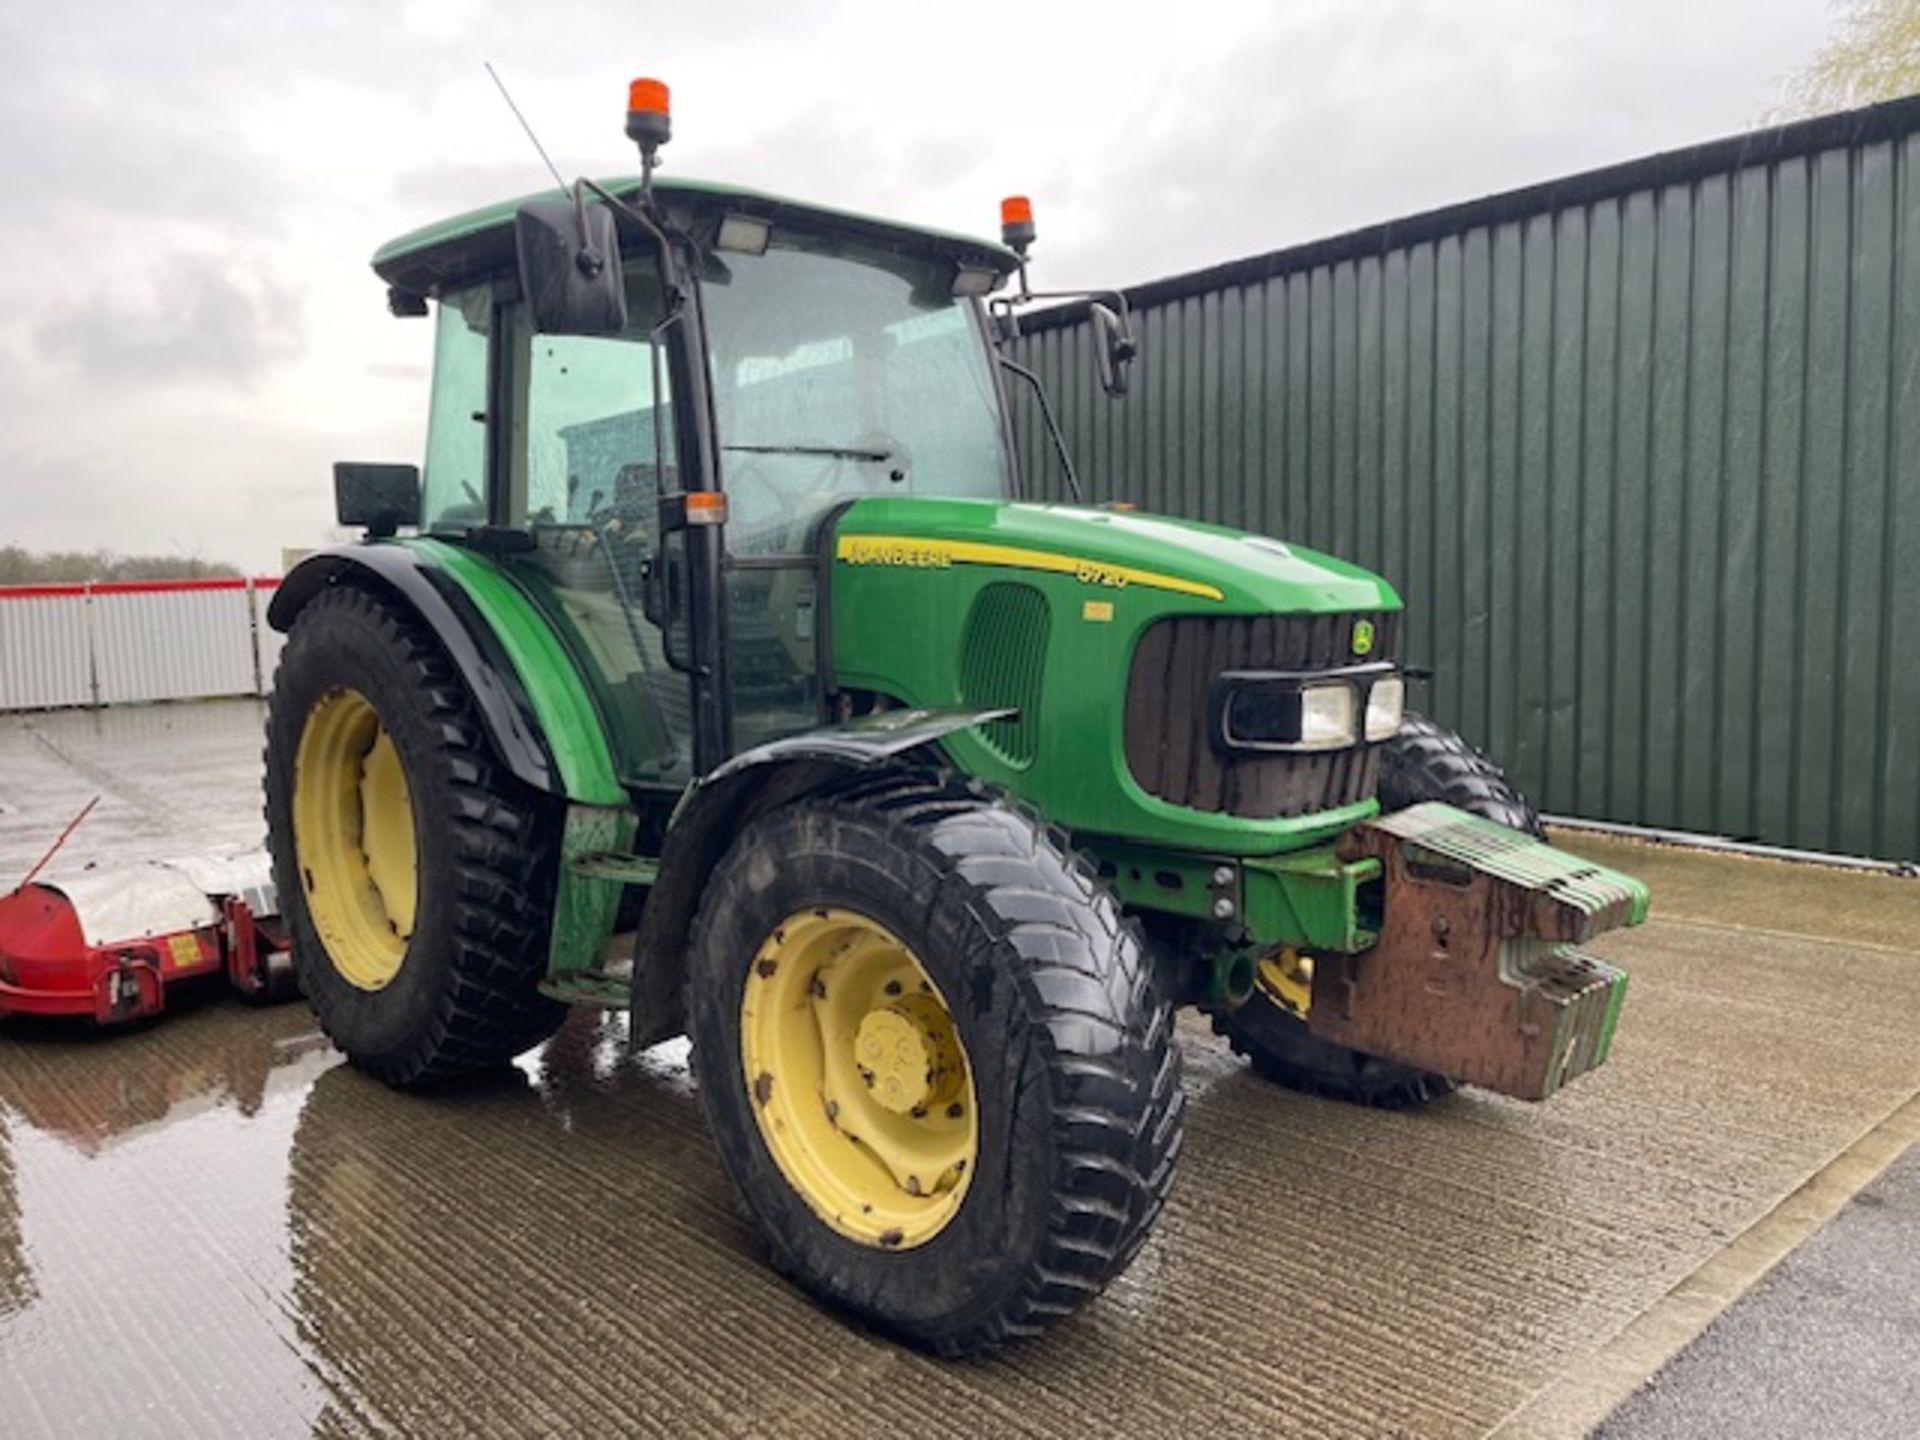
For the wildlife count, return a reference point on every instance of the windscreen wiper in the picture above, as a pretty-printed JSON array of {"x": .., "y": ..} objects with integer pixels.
[{"x": 837, "y": 452}]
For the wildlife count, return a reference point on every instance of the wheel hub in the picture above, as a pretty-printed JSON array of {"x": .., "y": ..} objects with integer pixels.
[
  {"x": 1286, "y": 978},
  {"x": 907, "y": 1054},
  {"x": 859, "y": 1080}
]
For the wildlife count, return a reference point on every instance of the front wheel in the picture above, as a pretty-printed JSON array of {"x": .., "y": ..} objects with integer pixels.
[
  {"x": 934, "y": 1058},
  {"x": 1424, "y": 762}
]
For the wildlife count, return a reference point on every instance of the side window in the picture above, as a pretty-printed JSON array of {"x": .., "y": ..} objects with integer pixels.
[
  {"x": 454, "y": 482},
  {"x": 585, "y": 452}
]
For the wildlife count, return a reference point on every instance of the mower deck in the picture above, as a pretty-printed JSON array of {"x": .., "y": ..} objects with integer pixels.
[{"x": 108, "y": 944}]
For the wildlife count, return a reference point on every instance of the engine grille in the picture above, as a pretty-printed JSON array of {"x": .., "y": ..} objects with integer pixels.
[{"x": 1166, "y": 717}]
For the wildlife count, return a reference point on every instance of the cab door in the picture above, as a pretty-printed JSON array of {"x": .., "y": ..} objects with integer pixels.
[{"x": 583, "y": 448}]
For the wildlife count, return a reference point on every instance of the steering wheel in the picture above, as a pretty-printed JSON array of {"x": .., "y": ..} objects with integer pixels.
[
  {"x": 798, "y": 493},
  {"x": 788, "y": 478},
  {"x": 763, "y": 505}
]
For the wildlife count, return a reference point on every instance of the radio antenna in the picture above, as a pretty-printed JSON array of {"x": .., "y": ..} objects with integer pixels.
[{"x": 545, "y": 159}]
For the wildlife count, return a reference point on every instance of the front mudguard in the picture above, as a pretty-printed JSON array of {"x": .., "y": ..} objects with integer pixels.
[{"x": 718, "y": 807}]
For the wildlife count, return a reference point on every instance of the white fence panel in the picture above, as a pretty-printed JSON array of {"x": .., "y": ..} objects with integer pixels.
[
  {"x": 44, "y": 656},
  {"x": 173, "y": 640}
]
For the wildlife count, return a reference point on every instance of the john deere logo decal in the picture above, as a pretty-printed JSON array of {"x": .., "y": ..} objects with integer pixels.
[{"x": 1362, "y": 636}]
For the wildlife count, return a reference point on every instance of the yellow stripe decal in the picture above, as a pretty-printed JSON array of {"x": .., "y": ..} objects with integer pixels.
[{"x": 917, "y": 553}]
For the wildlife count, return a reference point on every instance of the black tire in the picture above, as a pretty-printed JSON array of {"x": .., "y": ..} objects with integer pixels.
[
  {"x": 1068, "y": 1037},
  {"x": 1426, "y": 761},
  {"x": 1423, "y": 762},
  {"x": 465, "y": 996}
]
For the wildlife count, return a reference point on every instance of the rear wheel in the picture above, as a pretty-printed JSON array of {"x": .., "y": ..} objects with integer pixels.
[
  {"x": 414, "y": 876},
  {"x": 1423, "y": 762},
  {"x": 935, "y": 1060}
]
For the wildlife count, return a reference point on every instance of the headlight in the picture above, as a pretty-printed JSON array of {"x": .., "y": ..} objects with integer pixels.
[
  {"x": 1276, "y": 711},
  {"x": 1326, "y": 716},
  {"x": 1386, "y": 703}
]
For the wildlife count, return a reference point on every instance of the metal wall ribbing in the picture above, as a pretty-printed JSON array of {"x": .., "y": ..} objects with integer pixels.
[{"x": 1641, "y": 450}]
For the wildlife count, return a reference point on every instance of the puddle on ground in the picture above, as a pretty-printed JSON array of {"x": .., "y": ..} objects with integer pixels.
[{"x": 199, "y": 1217}]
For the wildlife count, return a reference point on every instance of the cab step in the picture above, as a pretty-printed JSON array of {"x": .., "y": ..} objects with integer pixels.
[
  {"x": 608, "y": 990},
  {"x": 617, "y": 866}
]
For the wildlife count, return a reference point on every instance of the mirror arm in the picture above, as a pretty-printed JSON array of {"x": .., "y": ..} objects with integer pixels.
[
  {"x": 641, "y": 218},
  {"x": 1117, "y": 299},
  {"x": 1004, "y": 307},
  {"x": 1053, "y": 426}
]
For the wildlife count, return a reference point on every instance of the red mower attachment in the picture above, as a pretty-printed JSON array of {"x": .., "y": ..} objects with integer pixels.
[{"x": 109, "y": 943}]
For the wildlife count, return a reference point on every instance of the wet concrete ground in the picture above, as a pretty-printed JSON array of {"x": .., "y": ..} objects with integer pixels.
[
  {"x": 210, "y": 1227},
  {"x": 168, "y": 778}
]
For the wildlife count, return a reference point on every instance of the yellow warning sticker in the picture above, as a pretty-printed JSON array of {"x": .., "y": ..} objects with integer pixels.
[
  {"x": 185, "y": 949},
  {"x": 1101, "y": 610}
]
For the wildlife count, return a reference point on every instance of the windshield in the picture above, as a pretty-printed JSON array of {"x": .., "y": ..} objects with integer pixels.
[{"x": 841, "y": 371}]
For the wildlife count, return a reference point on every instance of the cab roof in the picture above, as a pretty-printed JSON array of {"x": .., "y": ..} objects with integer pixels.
[{"x": 466, "y": 247}]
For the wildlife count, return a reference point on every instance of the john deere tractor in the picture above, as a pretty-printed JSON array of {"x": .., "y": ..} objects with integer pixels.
[{"x": 715, "y": 616}]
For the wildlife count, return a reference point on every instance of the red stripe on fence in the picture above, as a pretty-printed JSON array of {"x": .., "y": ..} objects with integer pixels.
[
  {"x": 163, "y": 587},
  {"x": 134, "y": 587}
]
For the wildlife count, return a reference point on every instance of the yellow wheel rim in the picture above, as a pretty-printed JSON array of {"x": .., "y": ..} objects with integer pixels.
[
  {"x": 1286, "y": 978},
  {"x": 353, "y": 834},
  {"x": 858, "y": 1079}
]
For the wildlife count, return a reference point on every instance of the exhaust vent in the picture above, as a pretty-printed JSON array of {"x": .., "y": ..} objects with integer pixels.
[{"x": 1003, "y": 656}]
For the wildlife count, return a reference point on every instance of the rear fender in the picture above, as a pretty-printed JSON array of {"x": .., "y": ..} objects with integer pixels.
[
  {"x": 539, "y": 720},
  {"x": 506, "y": 711},
  {"x": 717, "y": 808}
]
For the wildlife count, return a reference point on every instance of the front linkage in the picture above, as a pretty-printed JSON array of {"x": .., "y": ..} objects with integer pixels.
[
  {"x": 1429, "y": 937},
  {"x": 1473, "y": 972}
]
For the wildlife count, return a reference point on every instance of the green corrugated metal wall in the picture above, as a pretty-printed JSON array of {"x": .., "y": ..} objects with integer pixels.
[{"x": 1640, "y": 449}]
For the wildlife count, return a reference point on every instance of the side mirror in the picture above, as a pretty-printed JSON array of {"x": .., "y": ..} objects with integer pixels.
[
  {"x": 1113, "y": 348},
  {"x": 379, "y": 498},
  {"x": 570, "y": 268}
]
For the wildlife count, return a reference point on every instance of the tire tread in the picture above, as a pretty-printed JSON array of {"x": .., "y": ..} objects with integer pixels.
[
  {"x": 1117, "y": 1117},
  {"x": 502, "y": 850}
]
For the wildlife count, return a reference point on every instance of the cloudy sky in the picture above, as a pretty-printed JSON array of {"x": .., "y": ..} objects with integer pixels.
[{"x": 189, "y": 193}]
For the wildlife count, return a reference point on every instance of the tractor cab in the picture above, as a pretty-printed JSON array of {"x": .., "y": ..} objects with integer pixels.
[{"x": 776, "y": 360}]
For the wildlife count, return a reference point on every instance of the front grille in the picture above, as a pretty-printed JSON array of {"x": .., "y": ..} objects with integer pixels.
[{"x": 1166, "y": 719}]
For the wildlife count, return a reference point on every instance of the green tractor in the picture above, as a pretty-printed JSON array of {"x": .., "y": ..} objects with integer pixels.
[{"x": 720, "y": 620}]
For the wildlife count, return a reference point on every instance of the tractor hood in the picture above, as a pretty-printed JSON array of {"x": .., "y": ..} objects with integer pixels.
[{"x": 1112, "y": 548}]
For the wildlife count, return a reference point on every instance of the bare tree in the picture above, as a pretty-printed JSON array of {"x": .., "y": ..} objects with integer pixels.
[
  {"x": 30, "y": 567},
  {"x": 1872, "y": 55}
]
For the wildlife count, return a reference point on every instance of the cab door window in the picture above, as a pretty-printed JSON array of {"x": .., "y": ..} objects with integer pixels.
[{"x": 591, "y": 449}]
